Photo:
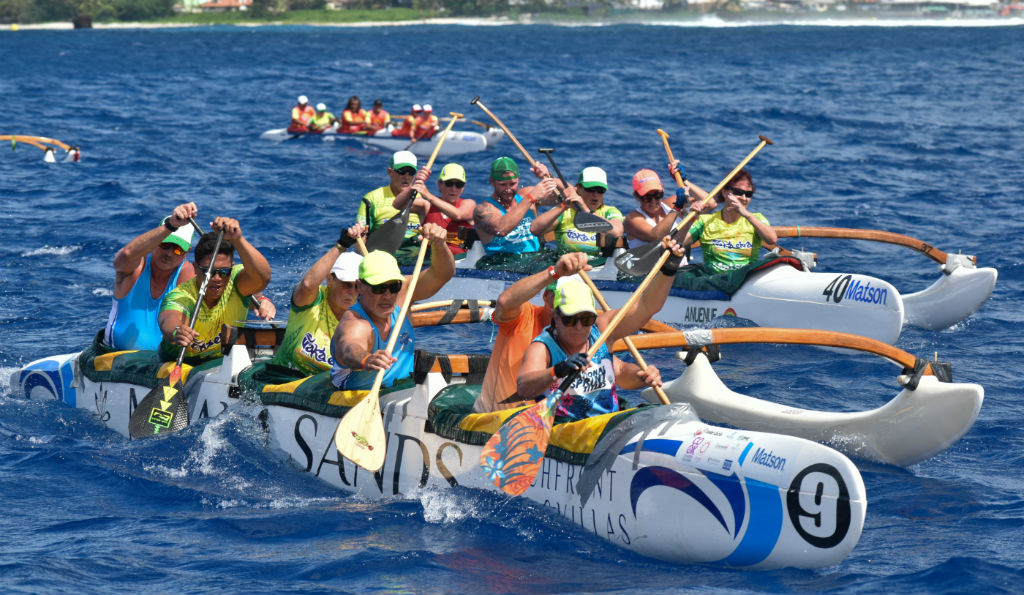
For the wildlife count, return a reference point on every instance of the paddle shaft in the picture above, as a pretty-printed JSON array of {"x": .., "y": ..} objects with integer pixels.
[
  {"x": 629, "y": 343},
  {"x": 437, "y": 147},
  {"x": 668, "y": 151},
  {"x": 202, "y": 288},
  {"x": 508, "y": 133}
]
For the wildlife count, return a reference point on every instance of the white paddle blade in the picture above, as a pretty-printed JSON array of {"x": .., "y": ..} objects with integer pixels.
[{"x": 360, "y": 435}]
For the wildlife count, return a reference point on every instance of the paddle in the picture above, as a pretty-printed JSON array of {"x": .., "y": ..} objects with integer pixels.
[
  {"x": 359, "y": 436},
  {"x": 629, "y": 342},
  {"x": 513, "y": 455},
  {"x": 390, "y": 234},
  {"x": 643, "y": 259},
  {"x": 165, "y": 409},
  {"x": 583, "y": 220}
]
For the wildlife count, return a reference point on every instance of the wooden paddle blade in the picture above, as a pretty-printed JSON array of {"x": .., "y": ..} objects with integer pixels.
[
  {"x": 640, "y": 260},
  {"x": 591, "y": 223},
  {"x": 163, "y": 410},
  {"x": 360, "y": 435},
  {"x": 513, "y": 455}
]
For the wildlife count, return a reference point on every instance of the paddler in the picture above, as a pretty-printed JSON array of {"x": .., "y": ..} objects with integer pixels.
[
  {"x": 383, "y": 203},
  {"x": 408, "y": 125},
  {"x": 227, "y": 298},
  {"x": 316, "y": 307},
  {"x": 650, "y": 220},
  {"x": 427, "y": 124},
  {"x": 363, "y": 331},
  {"x": 587, "y": 196},
  {"x": 302, "y": 114},
  {"x": 520, "y": 321},
  {"x": 353, "y": 119},
  {"x": 732, "y": 237},
  {"x": 378, "y": 118},
  {"x": 322, "y": 119},
  {"x": 147, "y": 268},
  {"x": 449, "y": 210},
  {"x": 503, "y": 219}
]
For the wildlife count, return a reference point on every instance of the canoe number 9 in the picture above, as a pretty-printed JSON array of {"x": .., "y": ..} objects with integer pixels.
[
  {"x": 837, "y": 288},
  {"x": 818, "y": 503}
]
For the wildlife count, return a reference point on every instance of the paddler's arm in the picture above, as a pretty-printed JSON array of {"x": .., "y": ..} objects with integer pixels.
[
  {"x": 547, "y": 220},
  {"x": 420, "y": 206},
  {"x": 511, "y": 301},
  {"x": 174, "y": 327},
  {"x": 536, "y": 373},
  {"x": 490, "y": 221},
  {"x": 442, "y": 263},
  {"x": 463, "y": 212},
  {"x": 768, "y": 235},
  {"x": 131, "y": 257},
  {"x": 309, "y": 286},
  {"x": 352, "y": 341},
  {"x": 651, "y": 300},
  {"x": 255, "y": 273}
]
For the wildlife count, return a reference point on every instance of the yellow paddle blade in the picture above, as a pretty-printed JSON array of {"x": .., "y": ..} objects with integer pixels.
[{"x": 360, "y": 435}]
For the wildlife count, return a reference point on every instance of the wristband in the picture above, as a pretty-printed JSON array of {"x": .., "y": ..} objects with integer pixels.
[
  {"x": 345, "y": 241},
  {"x": 553, "y": 274},
  {"x": 681, "y": 197},
  {"x": 553, "y": 375},
  {"x": 167, "y": 224},
  {"x": 174, "y": 333},
  {"x": 671, "y": 266}
]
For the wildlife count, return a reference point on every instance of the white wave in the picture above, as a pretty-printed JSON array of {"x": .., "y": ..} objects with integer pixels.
[
  {"x": 102, "y": 291},
  {"x": 445, "y": 507},
  {"x": 52, "y": 251}
]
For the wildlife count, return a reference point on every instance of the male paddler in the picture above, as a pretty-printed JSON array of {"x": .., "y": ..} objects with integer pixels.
[
  {"x": 227, "y": 295},
  {"x": 503, "y": 219},
  {"x": 363, "y": 331},
  {"x": 302, "y": 113},
  {"x": 147, "y": 268},
  {"x": 316, "y": 308},
  {"x": 383, "y": 203},
  {"x": 520, "y": 322}
]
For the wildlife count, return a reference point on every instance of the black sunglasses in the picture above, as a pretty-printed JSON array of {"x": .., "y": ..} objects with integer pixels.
[
  {"x": 382, "y": 288},
  {"x": 406, "y": 171},
  {"x": 455, "y": 183},
  {"x": 222, "y": 272},
  {"x": 652, "y": 196},
  {"x": 738, "y": 192},
  {"x": 584, "y": 319},
  {"x": 596, "y": 189}
]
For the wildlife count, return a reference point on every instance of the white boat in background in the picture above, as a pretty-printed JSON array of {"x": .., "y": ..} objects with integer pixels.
[{"x": 458, "y": 142}]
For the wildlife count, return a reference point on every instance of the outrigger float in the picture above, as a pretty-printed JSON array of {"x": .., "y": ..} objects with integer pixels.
[
  {"x": 655, "y": 480},
  {"x": 785, "y": 292},
  {"x": 49, "y": 147}
]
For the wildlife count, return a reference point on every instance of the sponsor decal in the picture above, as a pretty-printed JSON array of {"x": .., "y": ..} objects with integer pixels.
[
  {"x": 727, "y": 464},
  {"x": 767, "y": 458},
  {"x": 699, "y": 314},
  {"x": 314, "y": 352},
  {"x": 845, "y": 287},
  {"x": 821, "y": 522},
  {"x": 729, "y": 312}
]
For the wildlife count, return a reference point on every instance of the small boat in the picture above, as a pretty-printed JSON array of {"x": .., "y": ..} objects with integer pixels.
[
  {"x": 653, "y": 480},
  {"x": 458, "y": 142},
  {"x": 329, "y": 135},
  {"x": 49, "y": 146}
]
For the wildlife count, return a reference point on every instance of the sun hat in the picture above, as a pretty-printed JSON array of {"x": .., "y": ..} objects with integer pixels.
[
  {"x": 452, "y": 171},
  {"x": 320, "y": 107},
  {"x": 181, "y": 237},
  {"x": 427, "y": 108},
  {"x": 379, "y": 267},
  {"x": 303, "y": 100},
  {"x": 403, "y": 159},
  {"x": 346, "y": 267},
  {"x": 572, "y": 296},
  {"x": 646, "y": 180},
  {"x": 592, "y": 177},
  {"x": 504, "y": 168},
  {"x": 416, "y": 107}
]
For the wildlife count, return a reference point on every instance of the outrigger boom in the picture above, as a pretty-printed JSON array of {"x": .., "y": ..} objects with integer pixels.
[{"x": 49, "y": 146}]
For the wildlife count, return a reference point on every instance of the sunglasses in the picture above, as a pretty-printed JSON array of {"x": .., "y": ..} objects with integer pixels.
[
  {"x": 221, "y": 272},
  {"x": 178, "y": 250},
  {"x": 454, "y": 183},
  {"x": 738, "y": 192},
  {"x": 652, "y": 196},
  {"x": 382, "y": 288},
  {"x": 584, "y": 319},
  {"x": 406, "y": 171},
  {"x": 595, "y": 189}
]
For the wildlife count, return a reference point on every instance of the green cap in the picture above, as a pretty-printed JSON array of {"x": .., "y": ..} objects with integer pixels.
[{"x": 504, "y": 168}]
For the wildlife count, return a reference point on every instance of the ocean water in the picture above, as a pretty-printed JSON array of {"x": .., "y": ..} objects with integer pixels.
[{"x": 913, "y": 129}]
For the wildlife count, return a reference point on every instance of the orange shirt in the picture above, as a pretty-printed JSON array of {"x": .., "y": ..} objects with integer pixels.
[
  {"x": 513, "y": 338},
  {"x": 353, "y": 121}
]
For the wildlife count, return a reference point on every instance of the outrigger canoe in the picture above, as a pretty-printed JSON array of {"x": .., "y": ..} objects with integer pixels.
[
  {"x": 789, "y": 293},
  {"x": 49, "y": 146},
  {"x": 458, "y": 142},
  {"x": 653, "y": 480}
]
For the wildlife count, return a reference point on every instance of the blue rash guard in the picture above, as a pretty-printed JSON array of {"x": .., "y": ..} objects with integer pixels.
[
  {"x": 132, "y": 323},
  {"x": 356, "y": 379},
  {"x": 518, "y": 241}
]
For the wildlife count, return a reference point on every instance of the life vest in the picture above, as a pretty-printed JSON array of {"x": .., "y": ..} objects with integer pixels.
[
  {"x": 406, "y": 127},
  {"x": 378, "y": 121},
  {"x": 426, "y": 126},
  {"x": 301, "y": 116},
  {"x": 353, "y": 122}
]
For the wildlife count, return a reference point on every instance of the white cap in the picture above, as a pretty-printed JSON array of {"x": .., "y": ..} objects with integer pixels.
[
  {"x": 346, "y": 267},
  {"x": 303, "y": 99},
  {"x": 403, "y": 159},
  {"x": 320, "y": 107},
  {"x": 427, "y": 108},
  {"x": 416, "y": 107}
]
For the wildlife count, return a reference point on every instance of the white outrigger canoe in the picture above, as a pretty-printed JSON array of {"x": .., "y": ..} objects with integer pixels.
[
  {"x": 457, "y": 142},
  {"x": 791, "y": 295},
  {"x": 660, "y": 482}
]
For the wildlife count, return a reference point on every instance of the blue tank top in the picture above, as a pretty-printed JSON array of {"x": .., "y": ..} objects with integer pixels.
[
  {"x": 594, "y": 392},
  {"x": 132, "y": 323},
  {"x": 517, "y": 241},
  {"x": 405, "y": 351}
]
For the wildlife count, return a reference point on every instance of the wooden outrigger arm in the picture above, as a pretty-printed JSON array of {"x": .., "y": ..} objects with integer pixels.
[
  {"x": 865, "y": 234},
  {"x": 48, "y": 146}
]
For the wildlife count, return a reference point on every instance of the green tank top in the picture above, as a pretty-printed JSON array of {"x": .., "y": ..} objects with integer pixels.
[{"x": 306, "y": 346}]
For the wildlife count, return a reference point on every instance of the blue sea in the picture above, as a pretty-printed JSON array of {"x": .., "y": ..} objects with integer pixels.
[{"x": 912, "y": 128}]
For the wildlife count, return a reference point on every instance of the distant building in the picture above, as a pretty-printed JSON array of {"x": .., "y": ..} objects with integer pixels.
[{"x": 225, "y": 5}]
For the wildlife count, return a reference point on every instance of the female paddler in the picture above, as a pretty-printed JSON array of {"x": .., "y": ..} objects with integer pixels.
[{"x": 588, "y": 197}]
